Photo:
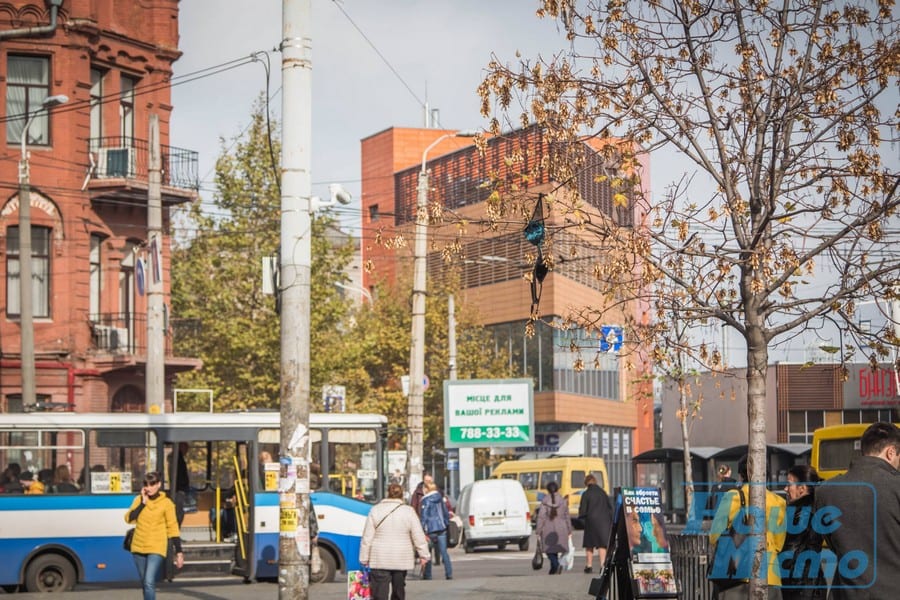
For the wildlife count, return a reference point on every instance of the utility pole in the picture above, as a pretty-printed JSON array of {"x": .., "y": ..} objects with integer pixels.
[
  {"x": 416, "y": 408},
  {"x": 155, "y": 383},
  {"x": 296, "y": 187},
  {"x": 26, "y": 305}
]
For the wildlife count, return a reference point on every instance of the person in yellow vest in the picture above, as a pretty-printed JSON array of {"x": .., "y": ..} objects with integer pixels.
[
  {"x": 153, "y": 514},
  {"x": 774, "y": 526}
]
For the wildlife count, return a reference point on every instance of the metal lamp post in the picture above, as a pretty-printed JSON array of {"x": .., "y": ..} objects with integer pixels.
[
  {"x": 26, "y": 310},
  {"x": 415, "y": 415}
]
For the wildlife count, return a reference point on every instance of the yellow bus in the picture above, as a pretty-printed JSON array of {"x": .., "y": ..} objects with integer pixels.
[
  {"x": 567, "y": 471},
  {"x": 833, "y": 448}
]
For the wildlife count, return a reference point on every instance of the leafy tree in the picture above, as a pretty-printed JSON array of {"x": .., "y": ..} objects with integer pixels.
[
  {"x": 783, "y": 108},
  {"x": 217, "y": 279},
  {"x": 380, "y": 346}
]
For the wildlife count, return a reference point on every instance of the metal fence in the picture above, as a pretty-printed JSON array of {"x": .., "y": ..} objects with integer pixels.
[{"x": 689, "y": 557}]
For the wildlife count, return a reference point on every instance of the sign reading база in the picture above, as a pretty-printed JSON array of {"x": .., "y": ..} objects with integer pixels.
[{"x": 488, "y": 412}]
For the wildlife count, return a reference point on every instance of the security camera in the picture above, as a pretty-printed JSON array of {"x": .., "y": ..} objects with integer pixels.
[{"x": 339, "y": 194}]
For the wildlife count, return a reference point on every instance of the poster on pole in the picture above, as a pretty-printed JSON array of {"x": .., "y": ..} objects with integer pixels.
[{"x": 488, "y": 412}]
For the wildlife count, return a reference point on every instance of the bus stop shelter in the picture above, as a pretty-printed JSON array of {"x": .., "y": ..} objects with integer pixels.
[{"x": 664, "y": 468}]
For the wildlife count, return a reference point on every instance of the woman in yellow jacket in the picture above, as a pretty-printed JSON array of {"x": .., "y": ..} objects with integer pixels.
[{"x": 154, "y": 516}]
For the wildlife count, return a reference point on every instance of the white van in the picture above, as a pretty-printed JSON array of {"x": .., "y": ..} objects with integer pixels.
[{"x": 494, "y": 513}]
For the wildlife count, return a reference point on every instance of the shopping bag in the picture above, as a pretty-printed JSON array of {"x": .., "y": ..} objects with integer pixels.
[
  {"x": 537, "y": 561},
  {"x": 568, "y": 559},
  {"x": 453, "y": 530},
  {"x": 358, "y": 585},
  {"x": 315, "y": 561}
]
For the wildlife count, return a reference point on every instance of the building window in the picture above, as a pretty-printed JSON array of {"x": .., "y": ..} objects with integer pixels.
[
  {"x": 40, "y": 271},
  {"x": 125, "y": 318},
  {"x": 373, "y": 212},
  {"x": 126, "y": 108},
  {"x": 96, "y": 108},
  {"x": 96, "y": 275},
  {"x": 27, "y": 86}
]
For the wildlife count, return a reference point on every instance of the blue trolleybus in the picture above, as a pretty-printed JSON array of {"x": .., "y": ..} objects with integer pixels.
[{"x": 90, "y": 467}]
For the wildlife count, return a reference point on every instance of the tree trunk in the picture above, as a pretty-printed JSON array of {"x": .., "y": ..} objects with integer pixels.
[
  {"x": 757, "y": 364},
  {"x": 686, "y": 444}
]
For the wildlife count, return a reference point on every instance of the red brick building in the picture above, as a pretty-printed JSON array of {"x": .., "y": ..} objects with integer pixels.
[
  {"x": 600, "y": 407},
  {"x": 89, "y": 182}
]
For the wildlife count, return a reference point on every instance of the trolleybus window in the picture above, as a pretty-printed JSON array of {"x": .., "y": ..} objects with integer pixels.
[{"x": 119, "y": 458}]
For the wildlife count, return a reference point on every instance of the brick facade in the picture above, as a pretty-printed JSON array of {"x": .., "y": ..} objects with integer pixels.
[
  {"x": 391, "y": 160},
  {"x": 91, "y": 179}
]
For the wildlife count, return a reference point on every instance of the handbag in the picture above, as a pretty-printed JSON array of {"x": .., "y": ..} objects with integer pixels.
[
  {"x": 737, "y": 539},
  {"x": 537, "y": 561},
  {"x": 129, "y": 537},
  {"x": 358, "y": 585},
  {"x": 453, "y": 529}
]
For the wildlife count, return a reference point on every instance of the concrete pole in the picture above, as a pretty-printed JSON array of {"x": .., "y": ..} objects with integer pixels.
[
  {"x": 156, "y": 365},
  {"x": 415, "y": 415},
  {"x": 451, "y": 349},
  {"x": 26, "y": 307},
  {"x": 296, "y": 186}
]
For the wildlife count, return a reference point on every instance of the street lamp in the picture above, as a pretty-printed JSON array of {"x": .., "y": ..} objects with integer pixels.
[
  {"x": 415, "y": 416},
  {"x": 26, "y": 310}
]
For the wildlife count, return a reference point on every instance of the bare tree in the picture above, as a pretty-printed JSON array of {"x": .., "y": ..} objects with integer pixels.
[{"x": 782, "y": 108}]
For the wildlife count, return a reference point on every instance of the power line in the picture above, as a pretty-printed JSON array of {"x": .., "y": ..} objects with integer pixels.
[{"x": 380, "y": 55}]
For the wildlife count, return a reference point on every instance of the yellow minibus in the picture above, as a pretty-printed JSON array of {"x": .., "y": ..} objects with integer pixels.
[
  {"x": 833, "y": 448},
  {"x": 567, "y": 471}
]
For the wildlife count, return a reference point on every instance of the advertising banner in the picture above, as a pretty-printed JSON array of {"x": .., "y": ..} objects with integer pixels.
[
  {"x": 488, "y": 412},
  {"x": 652, "y": 574}
]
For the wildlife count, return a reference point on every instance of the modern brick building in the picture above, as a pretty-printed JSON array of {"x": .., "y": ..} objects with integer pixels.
[
  {"x": 600, "y": 409},
  {"x": 800, "y": 398},
  {"x": 89, "y": 199}
]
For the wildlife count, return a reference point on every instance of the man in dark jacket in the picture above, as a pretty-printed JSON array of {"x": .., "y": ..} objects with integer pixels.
[
  {"x": 595, "y": 511},
  {"x": 866, "y": 495}
]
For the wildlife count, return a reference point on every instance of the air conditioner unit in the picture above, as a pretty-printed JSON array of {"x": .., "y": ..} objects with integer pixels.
[
  {"x": 102, "y": 335},
  {"x": 111, "y": 338},
  {"x": 116, "y": 162}
]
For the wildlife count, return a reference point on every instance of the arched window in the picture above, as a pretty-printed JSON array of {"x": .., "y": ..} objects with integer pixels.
[{"x": 129, "y": 398}]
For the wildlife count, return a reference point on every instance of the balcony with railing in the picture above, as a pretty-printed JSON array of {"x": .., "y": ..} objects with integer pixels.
[
  {"x": 121, "y": 333},
  {"x": 120, "y": 169},
  {"x": 122, "y": 338}
]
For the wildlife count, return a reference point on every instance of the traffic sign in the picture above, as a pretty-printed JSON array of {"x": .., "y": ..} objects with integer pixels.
[{"x": 612, "y": 337}]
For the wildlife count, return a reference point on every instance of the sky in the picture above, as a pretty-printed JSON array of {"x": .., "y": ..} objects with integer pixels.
[
  {"x": 438, "y": 49},
  {"x": 375, "y": 62}
]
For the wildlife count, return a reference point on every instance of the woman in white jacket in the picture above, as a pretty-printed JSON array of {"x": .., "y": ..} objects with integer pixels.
[{"x": 392, "y": 538}]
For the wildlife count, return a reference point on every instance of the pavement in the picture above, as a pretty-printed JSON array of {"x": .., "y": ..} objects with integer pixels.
[{"x": 539, "y": 586}]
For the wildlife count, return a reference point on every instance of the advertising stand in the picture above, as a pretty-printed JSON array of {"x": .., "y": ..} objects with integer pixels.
[{"x": 638, "y": 550}]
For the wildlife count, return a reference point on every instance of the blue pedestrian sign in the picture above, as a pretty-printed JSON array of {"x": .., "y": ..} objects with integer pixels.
[{"x": 611, "y": 338}]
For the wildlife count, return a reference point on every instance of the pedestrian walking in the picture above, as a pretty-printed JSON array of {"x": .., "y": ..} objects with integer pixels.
[
  {"x": 802, "y": 579},
  {"x": 435, "y": 518},
  {"x": 596, "y": 513},
  {"x": 153, "y": 514},
  {"x": 391, "y": 540},
  {"x": 868, "y": 498},
  {"x": 554, "y": 526}
]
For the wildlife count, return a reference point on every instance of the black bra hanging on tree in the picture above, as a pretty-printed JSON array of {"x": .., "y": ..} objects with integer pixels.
[{"x": 535, "y": 233}]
